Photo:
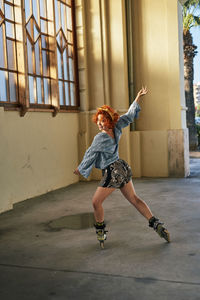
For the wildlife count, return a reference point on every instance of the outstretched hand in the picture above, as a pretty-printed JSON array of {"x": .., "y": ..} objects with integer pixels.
[
  {"x": 142, "y": 92},
  {"x": 76, "y": 172}
]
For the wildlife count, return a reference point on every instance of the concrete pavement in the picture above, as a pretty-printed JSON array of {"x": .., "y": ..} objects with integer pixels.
[{"x": 41, "y": 258}]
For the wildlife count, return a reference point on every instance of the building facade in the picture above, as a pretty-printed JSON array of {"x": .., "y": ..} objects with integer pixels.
[
  {"x": 197, "y": 93},
  {"x": 121, "y": 45}
]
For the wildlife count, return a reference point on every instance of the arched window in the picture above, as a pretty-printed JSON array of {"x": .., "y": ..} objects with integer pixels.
[{"x": 38, "y": 62}]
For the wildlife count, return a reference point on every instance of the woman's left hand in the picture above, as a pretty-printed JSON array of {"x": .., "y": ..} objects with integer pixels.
[{"x": 142, "y": 92}]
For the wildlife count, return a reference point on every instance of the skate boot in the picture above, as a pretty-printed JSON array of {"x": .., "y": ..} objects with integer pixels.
[
  {"x": 101, "y": 233},
  {"x": 157, "y": 225}
]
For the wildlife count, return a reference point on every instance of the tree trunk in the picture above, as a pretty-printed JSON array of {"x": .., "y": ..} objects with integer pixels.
[{"x": 189, "y": 53}]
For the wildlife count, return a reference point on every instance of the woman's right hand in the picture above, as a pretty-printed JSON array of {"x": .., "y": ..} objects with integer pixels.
[{"x": 76, "y": 172}]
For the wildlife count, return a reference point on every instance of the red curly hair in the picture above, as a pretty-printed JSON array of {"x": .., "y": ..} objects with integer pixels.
[{"x": 111, "y": 115}]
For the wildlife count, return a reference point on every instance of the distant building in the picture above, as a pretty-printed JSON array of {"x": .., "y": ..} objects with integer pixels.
[{"x": 197, "y": 93}]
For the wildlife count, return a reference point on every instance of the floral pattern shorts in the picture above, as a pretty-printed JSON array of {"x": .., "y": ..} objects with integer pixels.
[{"x": 116, "y": 175}]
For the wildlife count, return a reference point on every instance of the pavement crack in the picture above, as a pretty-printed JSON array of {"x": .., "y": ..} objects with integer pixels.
[{"x": 138, "y": 279}]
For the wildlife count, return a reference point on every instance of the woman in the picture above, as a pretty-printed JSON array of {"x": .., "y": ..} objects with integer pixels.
[{"x": 116, "y": 173}]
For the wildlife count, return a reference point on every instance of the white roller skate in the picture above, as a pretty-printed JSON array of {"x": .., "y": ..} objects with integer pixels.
[{"x": 101, "y": 233}]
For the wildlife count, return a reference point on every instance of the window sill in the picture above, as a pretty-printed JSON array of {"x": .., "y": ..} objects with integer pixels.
[{"x": 54, "y": 111}]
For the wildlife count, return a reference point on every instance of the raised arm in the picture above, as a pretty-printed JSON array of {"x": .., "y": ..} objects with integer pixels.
[
  {"x": 133, "y": 111},
  {"x": 141, "y": 93}
]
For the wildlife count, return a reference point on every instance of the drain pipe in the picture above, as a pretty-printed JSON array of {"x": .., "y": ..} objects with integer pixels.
[{"x": 129, "y": 38}]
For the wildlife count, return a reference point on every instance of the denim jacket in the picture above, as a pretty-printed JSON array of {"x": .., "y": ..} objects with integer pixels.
[{"x": 104, "y": 149}]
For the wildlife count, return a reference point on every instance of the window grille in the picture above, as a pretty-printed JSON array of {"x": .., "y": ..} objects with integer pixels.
[{"x": 38, "y": 62}]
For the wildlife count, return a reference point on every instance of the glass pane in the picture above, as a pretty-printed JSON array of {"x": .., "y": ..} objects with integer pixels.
[
  {"x": 70, "y": 37},
  {"x": 63, "y": 41},
  {"x": 67, "y": 101},
  {"x": 50, "y": 10},
  {"x": 18, "y": 15},
  {"x": 35, "y": 11},
  {"x": 3, "y": 91},
  {"x": 51, "y": 43},
  {"x": 58, "y": 39},
  {"x": 59, "y": 63},
  {"x": 30, "y": 56},
  {"x": 9, "y": 13},
  {"x": 72, "y": 92},
  {"x": 10, "y": 30},
  {"x": 45, "y": 63},
  {"x": 11, "y": 52},
  {"x": 44, "y": 41},
  {"x": 17, "y": 2},
  {"x": 43, "y": 12},
  {"x": 70, "y": 51},
  {"x": 19, "y": 33},
  {"x": 36, "y": 32},
  {"x": 1, "y": 5},
  {"x": 13, "y": 86},
  {"x": 39, "y": 90},
  {"x": 44, "y": 26},
  {"x": 28, "y": 27},
  {"x": 63, "y": 18},
  {"x": 27, "y": 9},
  {"x": 69, "y": 18},
  {"x": 65, "y": 64},
  {"x": 31, "y": 89},
  {"x": 61, "y": 93},
  {"x": 37, "y": 58},
  {"x": 46, "y": 91},
  {"x": 2, "y": 60},
  {"x": 71, "y": 70},
  {"x": 57, "y": 15}
]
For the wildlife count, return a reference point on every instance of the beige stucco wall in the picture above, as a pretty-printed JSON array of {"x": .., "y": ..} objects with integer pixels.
[
  {"x": 158, "y": 63},
  {"x": 38, "y": 154}
]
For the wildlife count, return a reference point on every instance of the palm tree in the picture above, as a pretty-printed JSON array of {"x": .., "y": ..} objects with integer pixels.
[{"x": 190, "y": 19}]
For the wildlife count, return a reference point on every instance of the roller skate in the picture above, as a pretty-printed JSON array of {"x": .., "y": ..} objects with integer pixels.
[
  {"x": 157, "y": 225},
  {"x": 101, "y": 233}
]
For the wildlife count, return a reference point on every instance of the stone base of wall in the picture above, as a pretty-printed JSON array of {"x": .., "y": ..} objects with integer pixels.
[{"x": 160, "y": 153}]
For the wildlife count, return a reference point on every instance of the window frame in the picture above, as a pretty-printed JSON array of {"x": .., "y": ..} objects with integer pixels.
[{"x": 23, "y": 104}]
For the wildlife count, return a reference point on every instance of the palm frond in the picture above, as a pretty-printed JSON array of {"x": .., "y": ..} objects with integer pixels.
[
  {"x": 187, "y": 4},
  {"x": 191, "y": 3},
  {"x": 197, "y": 21},
  {"x": 188, "y": 21},
  {"x": 191, "y": 14}
]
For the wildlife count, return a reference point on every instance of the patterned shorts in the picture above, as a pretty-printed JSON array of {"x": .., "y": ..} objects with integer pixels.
[{"x": 116, "y": 175}]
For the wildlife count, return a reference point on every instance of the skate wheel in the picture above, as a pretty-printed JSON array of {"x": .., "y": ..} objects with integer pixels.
[
  {"x": 102, "y": 244},
  {"x": 166, "y": 236}
]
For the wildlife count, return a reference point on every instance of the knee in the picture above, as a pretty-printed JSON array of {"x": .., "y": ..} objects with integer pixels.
[{"x": 96, "y": 203}]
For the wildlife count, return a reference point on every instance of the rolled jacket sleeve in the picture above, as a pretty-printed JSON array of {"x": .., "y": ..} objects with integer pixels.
[
  {"x": 89, "y": 158},
  {"x": 129, "y": 117},
  {"x": 88, "y": 162}
]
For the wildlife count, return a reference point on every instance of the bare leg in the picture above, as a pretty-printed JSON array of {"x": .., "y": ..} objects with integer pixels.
[
  {"x": 97, "y": 200},
  {"x": 129, "y": 193}
]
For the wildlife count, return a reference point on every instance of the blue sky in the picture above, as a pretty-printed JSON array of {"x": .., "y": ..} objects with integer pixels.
[{"x": 196, "y": 40}]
